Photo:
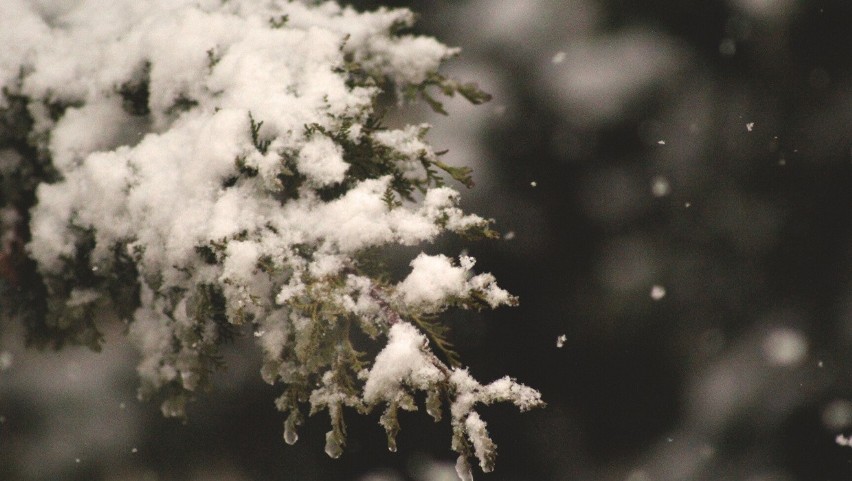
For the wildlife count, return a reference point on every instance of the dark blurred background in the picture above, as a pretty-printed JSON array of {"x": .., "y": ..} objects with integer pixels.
[{"x": 673, "y": 180}]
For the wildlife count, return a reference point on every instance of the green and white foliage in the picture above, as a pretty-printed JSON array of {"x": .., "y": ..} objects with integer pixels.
[{"x": 206, "y": 168}]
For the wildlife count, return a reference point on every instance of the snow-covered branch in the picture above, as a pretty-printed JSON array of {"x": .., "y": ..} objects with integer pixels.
[{"x": 198, "y": 167}]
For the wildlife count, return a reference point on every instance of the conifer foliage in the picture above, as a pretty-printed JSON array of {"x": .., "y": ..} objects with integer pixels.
[{"x": 202, "y": 169}]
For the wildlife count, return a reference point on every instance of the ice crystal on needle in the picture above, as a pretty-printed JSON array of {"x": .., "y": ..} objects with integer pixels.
[{"x": 199, "y": 168}]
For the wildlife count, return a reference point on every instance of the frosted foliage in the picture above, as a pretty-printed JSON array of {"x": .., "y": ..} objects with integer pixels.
[
  {"x": 483, "y": 447},
  {"x": 468, "y": 428},
  {"x": 409, "y": 145},
  {"x": 221, "y": 165}
]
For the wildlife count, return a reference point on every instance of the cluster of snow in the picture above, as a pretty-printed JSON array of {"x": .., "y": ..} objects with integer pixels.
[
  {"x": 434, "y": 280},
  {"x": 321, "y": 160},
  {"x": 402, "y": 362},
  {"x": 361, "y": 218}
]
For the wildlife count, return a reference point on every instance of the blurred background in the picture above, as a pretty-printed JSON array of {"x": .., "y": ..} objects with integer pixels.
[{"x": 673, "y": 181}]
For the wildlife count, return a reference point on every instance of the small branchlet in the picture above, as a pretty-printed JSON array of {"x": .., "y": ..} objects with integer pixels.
[
  {"x": 461, "y": 174},
  {"x": 448, "y": 87},
  {"x": 262, "y": 145},
  {"x": 136, "y": 91},
  {"x": 213, "y": 58},
  {"x": 278, "y": 22},
  {"x": 437, "y": 334}
]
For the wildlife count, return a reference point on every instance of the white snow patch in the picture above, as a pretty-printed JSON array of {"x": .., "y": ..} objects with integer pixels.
[
  {"x": 432, "y": 280},
  {"x": 402, "y": 362},
  {"x": 321, "y": 160}
]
